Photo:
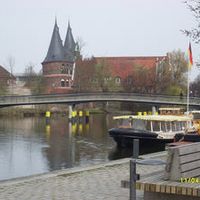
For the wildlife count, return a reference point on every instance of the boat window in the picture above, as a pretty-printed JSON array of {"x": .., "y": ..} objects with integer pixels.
[
  {"x": 156, "y": 126},
  {"x": 140, "y": 124},
  {"x": 124, "y": 123},
  {"x": 163, "y": 127},
  {"x": 174, "y": 126},
  {"x": 178, "y": 126},
  {"x": 183, "y": 125},
  {"x": 148, "y": 125}
]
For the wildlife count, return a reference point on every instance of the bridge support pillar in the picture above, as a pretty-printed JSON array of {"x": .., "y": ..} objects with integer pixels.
[
  {"x": 80, "y": 115},
  {"x": 87, "y": 115},
  {"x": 48, "y": 115},
  {"x": 70, "y": 112}
]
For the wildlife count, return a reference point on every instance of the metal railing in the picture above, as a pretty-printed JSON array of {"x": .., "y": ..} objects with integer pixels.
[{"x": 92, "y": 97}]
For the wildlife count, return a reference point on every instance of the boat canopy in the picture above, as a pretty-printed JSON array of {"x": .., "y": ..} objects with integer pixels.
[
  {"x": 171, "y": 109},
  {"x": 168, "y": 118},
  {"x": 195, "y": 111}
]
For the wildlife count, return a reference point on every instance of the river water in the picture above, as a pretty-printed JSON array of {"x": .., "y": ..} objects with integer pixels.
[{"x": 30, "y": 146}]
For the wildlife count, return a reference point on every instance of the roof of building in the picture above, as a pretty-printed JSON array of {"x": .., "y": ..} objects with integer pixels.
[
  {"x": 58, "y": 52},
  {"x": 124, "y": 66},
  {"x": 55, "y": 51},
  {"x": 5, "y": 74},
  {"x": 69, "y": 45}
]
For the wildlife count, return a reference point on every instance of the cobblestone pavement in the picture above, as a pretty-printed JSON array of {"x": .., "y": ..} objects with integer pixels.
[{"x": 88, "y": 183}]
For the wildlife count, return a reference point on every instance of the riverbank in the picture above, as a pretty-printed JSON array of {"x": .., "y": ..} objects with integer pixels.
[
  {"x": 102, "y": 181},
  {"x": 37, "y": 111}
]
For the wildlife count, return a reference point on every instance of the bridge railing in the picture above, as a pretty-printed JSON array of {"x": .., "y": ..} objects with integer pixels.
[{"x": 84, "y": 97}]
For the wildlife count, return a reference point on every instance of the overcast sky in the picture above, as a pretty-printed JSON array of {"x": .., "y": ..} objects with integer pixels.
[{"x": 108, "y": 28}]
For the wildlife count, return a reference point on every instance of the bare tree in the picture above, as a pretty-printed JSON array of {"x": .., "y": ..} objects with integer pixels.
[
  {"x": 172, "y": 77},
  {"x": 33, "y": 80},
  {"x": 194, "y": 7},
  {"x": 84, "y": 72},
  {"x": 80, "y": 44},
  {"x": 11, "y": 63}
]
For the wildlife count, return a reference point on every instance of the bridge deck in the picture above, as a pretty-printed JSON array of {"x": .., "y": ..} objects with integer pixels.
[{"x": 95, "y": 97}]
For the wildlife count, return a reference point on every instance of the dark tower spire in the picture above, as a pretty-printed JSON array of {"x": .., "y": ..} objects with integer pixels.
[
  {"x": 55, "y": 51},
  {"x": 69, "y": 45}
]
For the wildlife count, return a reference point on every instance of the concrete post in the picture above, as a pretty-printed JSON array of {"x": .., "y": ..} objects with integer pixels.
[
  {"x": 87, "y": 115},
  {"x": 70, "y": 112},
  {"x": 135, "y": 148},
  {"x": 48, "y": 115},
  {"x": 133, "y": 175},
  {"x": 133, "y": 179},
  {"x": 80, "y": 116}
]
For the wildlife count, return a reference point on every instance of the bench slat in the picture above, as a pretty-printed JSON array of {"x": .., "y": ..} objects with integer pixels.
[
  {"x": 182, "y": 162},
  {"x": 189, "y": 157},
  {"x": 154, "y": 178},
  {"x": 193, "y": 165},
  {"x": 191, "y": 174},
  {"x": 189, "y": 148},
  {"x": 170, "y": 187}
]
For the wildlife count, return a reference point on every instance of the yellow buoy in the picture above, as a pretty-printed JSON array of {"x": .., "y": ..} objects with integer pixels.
[
  {"x": 80, "y": 113},
  {"x": 48, "y": 114}
]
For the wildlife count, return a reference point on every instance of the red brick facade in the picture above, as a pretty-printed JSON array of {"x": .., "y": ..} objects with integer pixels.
[
  {"x": 130, "y": 74},
  {"x": 58, "y": 77},
  {"x": 124, "y": 66},
  {"x": 58, "y": 65}
]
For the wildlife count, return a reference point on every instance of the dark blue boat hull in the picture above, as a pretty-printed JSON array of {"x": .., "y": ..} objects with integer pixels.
[
  {"x": 124, "y": 137},
  {"x": 190, "y": 137}
]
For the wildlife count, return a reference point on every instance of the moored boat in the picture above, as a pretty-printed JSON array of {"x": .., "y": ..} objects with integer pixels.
[
  {"x": 192, "y": 134},
  {"x": 149, "y": 129}
]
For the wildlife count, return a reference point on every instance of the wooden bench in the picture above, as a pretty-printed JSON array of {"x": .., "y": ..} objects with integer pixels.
[{"x": 181, "y": 178}]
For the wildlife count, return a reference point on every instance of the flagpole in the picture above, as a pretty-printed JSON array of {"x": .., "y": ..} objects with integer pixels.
[
  {"x": 188, "y": 91},
  {"x": 190, "y": 63}
]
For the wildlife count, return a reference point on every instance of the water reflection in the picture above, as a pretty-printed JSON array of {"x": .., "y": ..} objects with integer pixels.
[
  {"x": 20, "y": 148},
  {"x": 30, "y": 146}
]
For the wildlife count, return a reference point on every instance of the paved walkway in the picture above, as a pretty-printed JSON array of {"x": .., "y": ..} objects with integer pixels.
[{"x": 89, "y": 183}]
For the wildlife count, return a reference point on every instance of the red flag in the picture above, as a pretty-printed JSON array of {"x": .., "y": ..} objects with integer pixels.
[{"x": 190, "y": 56}]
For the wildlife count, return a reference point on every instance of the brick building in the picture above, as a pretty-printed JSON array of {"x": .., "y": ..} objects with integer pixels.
[
  {"x": 134, "y": 74},
  {"x": 122, "y": 67},
  {"x": 6, "y": 78},
  {"x": 59, "y": 63},
  {"x": 129, "y": 74}
]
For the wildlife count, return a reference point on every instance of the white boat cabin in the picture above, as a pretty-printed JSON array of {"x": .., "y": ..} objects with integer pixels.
[{"x": 166, "y": 126}]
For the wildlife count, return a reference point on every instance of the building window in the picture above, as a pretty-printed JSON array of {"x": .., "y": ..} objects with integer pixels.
[
  {"x": 62, "y": 82},
  {"x": 106, "y": 79},
  {"x": 117, "y": 80},
  {"x": 70, "y": 71},
  {"x": 64, "y": 69},
  {"x": 129, "y": 80},
  {"x": 67, "y": 83},
  {"x": 94, "y": 80}
]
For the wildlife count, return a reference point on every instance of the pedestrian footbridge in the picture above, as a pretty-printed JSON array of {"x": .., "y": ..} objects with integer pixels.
[{"x": 78, "y": 98}]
